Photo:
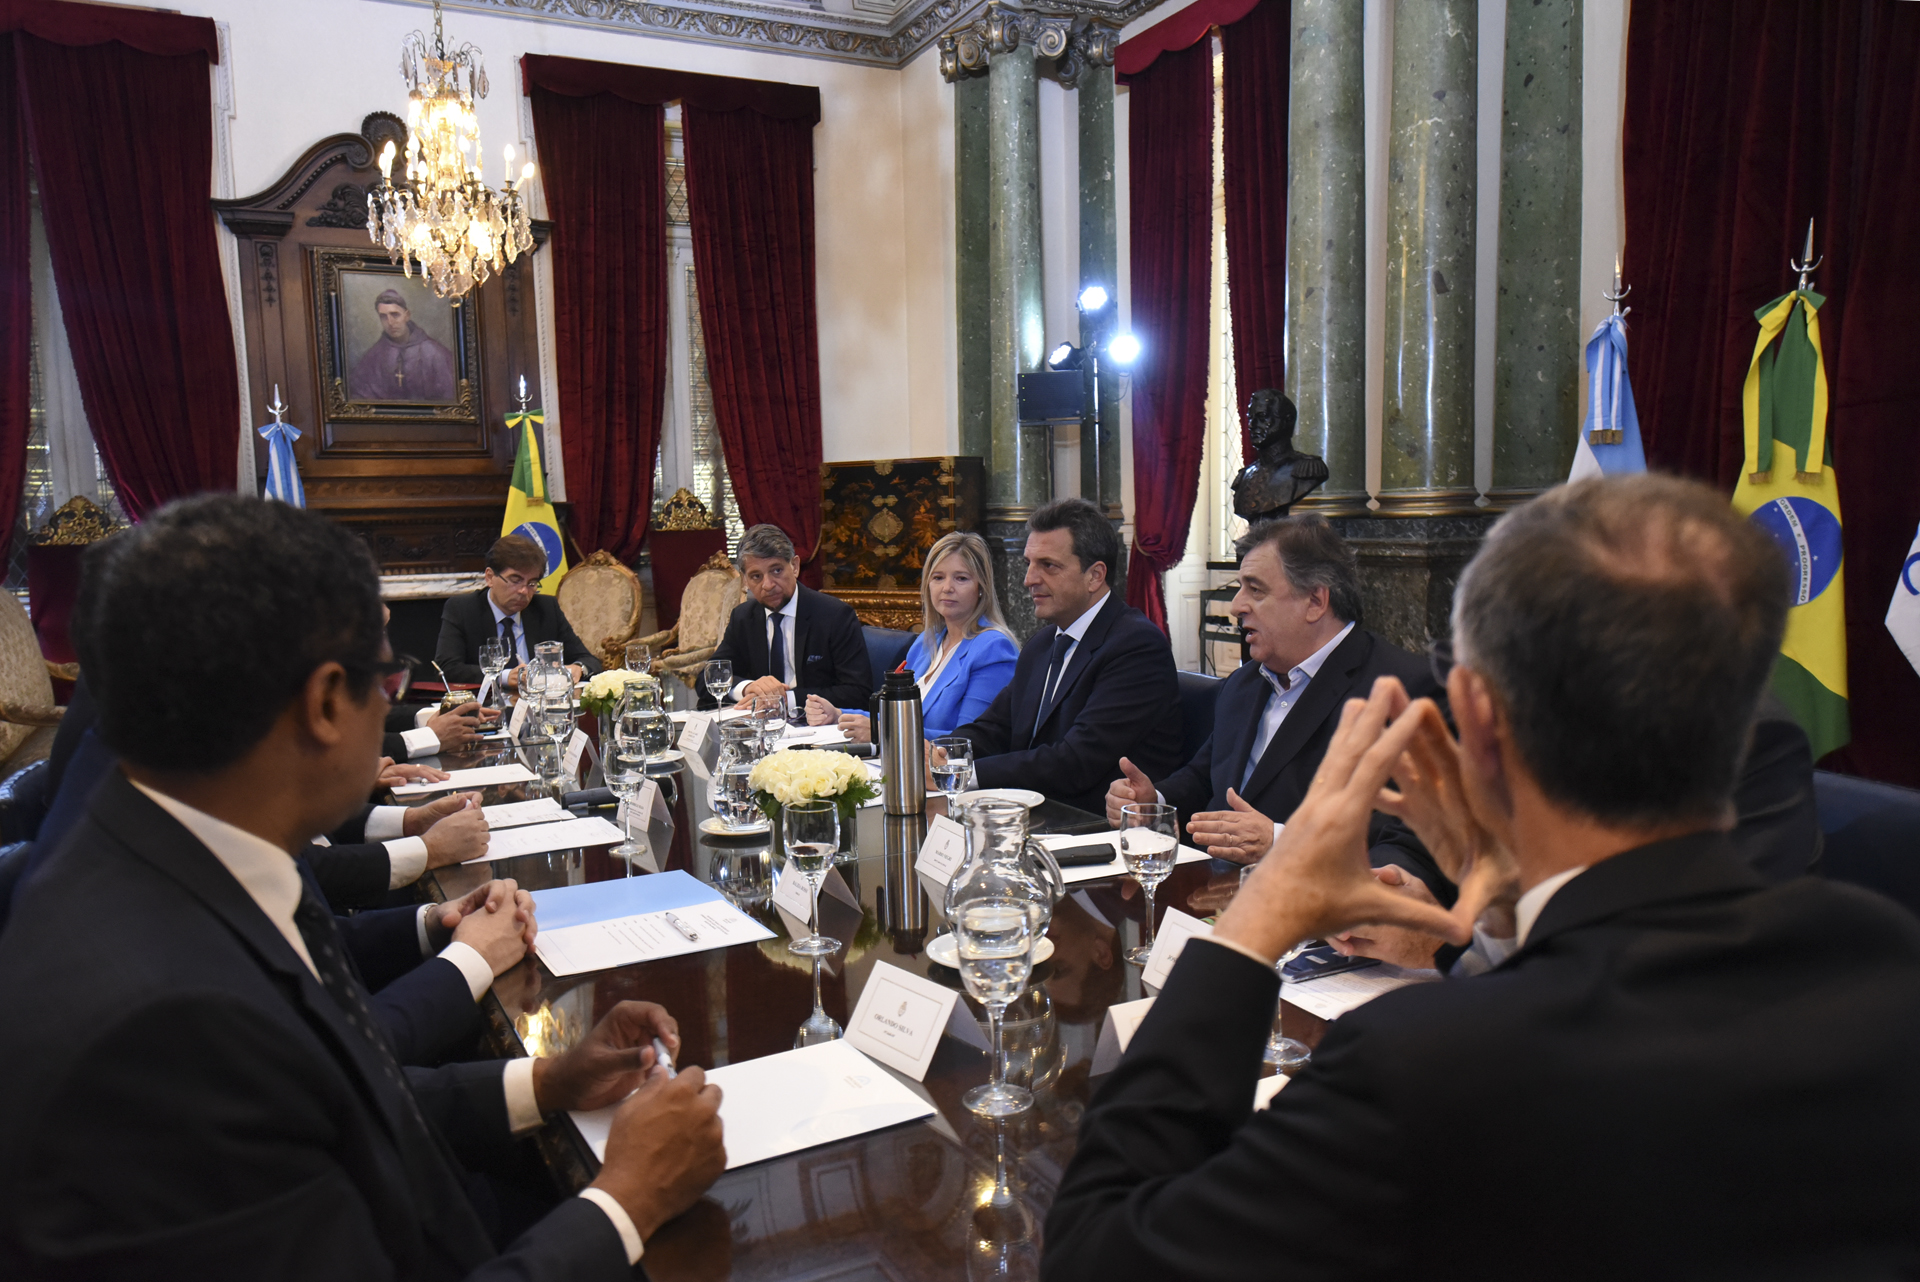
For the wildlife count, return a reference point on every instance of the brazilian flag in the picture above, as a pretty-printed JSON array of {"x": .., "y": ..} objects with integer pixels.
[
  {"x": 528, "y": 513},
  {"x": 1787, "y": 488}
]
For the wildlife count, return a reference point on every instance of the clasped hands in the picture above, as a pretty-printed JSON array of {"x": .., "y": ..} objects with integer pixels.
[
  {"x": 495, "y": 919},
  {"x": 764, "y": 692},
  {"x": 1315, "y": 882}
]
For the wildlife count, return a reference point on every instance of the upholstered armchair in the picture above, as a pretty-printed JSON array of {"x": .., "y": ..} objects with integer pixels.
[
  {"x": 27, "y": 711},
  {"x": 602, "y": 600},
  {"x": 711, "y": 595}
]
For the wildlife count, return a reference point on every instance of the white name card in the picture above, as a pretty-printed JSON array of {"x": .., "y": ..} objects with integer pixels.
[
  {"x": 486, "y": 690},
  {"x": 694, "y": 733},
  {"x": 1176, "y": 928},
  {"x": 576, "y": 750},
  {"x": 1122, "y": 1021},
  {"x": 900, "y": 1017},
  {"x": 521, "y": 707},
  {"x": 942, "y": 853},
  {"x": 796, "y": 905}
]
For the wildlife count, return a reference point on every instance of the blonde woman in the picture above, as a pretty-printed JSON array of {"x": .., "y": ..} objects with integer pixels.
[{"x": 962, "y": 659}]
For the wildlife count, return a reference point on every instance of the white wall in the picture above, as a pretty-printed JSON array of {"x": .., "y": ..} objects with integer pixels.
[{"x": 883, "y": 176}]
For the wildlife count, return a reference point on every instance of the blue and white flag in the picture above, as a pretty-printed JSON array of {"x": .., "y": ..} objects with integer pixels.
[
  {"x": 1903, "y": 614},
  {"x": 283, "y": 474},
  {"x": 1610, "y": 437}
]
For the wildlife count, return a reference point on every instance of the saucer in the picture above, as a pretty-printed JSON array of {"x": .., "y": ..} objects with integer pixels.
[
  {"x": 1019, "y": 796},
  {"x": 943, "y": 950},
  {"x": 715, "y": 828}
]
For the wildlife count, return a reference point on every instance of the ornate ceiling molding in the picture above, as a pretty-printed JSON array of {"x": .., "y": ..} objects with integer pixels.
[{"x": 802, "y": 29}]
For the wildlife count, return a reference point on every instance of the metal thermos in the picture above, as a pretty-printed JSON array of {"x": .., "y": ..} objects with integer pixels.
[{"x": 903, "y": 745}]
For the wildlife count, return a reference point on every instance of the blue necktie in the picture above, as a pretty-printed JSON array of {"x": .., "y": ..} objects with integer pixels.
[
  {"x": 1056, "y": 670},
  {"x": 777, "y": 653}
]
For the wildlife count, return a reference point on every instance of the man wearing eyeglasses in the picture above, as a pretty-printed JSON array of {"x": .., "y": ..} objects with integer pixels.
[{"x": 510, "y": 609}]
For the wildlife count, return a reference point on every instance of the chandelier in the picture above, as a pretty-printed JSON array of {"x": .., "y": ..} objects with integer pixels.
[{"x": 442, "y": 216}]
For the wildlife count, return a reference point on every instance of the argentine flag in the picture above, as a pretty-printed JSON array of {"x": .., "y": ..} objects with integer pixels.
[
  {"x": 1610, "y": 438},
  {"x": 528, "y": 513}
]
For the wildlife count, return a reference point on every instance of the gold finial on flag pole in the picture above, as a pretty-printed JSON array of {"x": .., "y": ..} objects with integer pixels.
[{"x": 1807, "y": 261}]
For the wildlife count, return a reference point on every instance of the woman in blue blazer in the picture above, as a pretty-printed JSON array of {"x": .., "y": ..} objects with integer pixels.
[{"x": 963, "y": 657}]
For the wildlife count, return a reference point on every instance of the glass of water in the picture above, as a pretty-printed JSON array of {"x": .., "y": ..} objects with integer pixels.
[
  {"x": 994, "y": 938},
  {"x": 626, "y": 772},
  {"x": 744, "y": 877},
  {"x": 718, "y": 677},
  {"x": 952, "y": 765},
  {"x": 1149, "y": 841},
  {"x": 1287, "y": 1055},
  {"x": 812, "y": 833},
  {"x": 639, "y": 656},
  {"x": 493, "y": 661}
]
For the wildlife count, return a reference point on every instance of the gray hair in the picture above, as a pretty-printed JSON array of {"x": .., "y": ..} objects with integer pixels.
[
  {"x": 1314, "y": 556},
  {"x": 769, "y": 542},
  {"x": 1627, "y": 626}
]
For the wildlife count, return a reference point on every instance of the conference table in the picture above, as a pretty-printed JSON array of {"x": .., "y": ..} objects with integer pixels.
[{"x": 910, "y": 1202}]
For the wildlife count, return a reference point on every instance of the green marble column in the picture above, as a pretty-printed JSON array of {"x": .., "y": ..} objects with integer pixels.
[
  {"x": 1537, "y": 352},
  {"x": 1326, "y": 248},
  {"x": 970, "y": 187},
  {"x": 1426, "y": 466},
  {"x": 1099, "y": 265}
]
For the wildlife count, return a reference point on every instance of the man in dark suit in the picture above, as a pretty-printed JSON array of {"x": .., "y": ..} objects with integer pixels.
[
  {"x": 1094, "y": 684},
  {"x": 1680, "y": 1072},
  {"x": 511, "y": 608},
  {"x": 206, "y": 1091},
  {"x": 787, "y": 641},
  {"x": 1299, "y": 607}
]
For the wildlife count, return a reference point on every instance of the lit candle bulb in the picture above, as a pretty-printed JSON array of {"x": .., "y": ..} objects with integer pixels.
[{"x": 526, "y": 171}]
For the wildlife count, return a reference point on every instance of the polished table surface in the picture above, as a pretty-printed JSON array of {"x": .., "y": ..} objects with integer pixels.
[{"x": 904, "y": 1203}]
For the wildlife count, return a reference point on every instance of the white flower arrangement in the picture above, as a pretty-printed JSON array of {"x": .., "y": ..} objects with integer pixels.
[
  {"x": 792, "y": 776},
  {"x": 604, "y": 689}
]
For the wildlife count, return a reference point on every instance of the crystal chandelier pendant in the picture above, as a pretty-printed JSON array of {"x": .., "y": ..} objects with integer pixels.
[{"x": 441, "y": 217}]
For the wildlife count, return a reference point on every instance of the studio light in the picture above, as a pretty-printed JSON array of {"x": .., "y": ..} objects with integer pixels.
[
  {"x": 1065, "y": 356},
  {"x": 1092, "y": 298},
  {"x": 1124, "y": 349}
]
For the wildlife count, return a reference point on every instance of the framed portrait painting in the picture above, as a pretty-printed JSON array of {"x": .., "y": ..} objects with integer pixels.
[{"x": 390, "y": 351}]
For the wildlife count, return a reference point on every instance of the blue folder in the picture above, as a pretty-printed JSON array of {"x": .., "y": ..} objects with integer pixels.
[{"x": 621, "y": 897}]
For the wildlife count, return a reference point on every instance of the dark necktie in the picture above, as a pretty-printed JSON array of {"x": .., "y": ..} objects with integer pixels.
[
  {"x": 1056, "y": 669},
  {"x": 777, "y": 652},
  {"x": 322, "y": 935},
  {"x": 506, "y": 639}
]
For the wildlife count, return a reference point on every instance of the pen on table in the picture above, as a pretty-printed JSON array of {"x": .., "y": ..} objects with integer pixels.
[
  {"x": 662, "y": 1058},
  {"x": 681, "y": 926}
]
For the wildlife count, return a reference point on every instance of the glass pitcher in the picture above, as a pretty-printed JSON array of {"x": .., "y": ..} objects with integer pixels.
[
  {"x": 1004, "y": 862},
  {"x": 740, "y": 748},
  {"x": 639, "y": 719}
]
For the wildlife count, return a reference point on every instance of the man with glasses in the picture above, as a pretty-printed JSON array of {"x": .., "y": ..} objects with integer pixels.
[{"x": 510, "y": 609}]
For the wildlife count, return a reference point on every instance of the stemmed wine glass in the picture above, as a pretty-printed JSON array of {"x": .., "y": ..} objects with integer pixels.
[
  {"x": 1287, "y": 1054},
  {"x": 812, "y": 831},
  {"x": 773, "y": 726},
  {"x": 626, "y": 772},
  {"x": 1149, "y": 842},
  {"x": 820, "y": 1026},
  {"x": 639, "y": 656},
  {"x": 493, "y": 661},
  {"x": 719, "y": 679},
  {"x": 952, "y": 765},
  {"x": 994, "y": 938}
]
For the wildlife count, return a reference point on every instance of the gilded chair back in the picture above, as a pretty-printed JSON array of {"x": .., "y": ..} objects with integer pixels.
[
  {"x": 602, "y": 600},
  {"x": 26, "y": 691}
]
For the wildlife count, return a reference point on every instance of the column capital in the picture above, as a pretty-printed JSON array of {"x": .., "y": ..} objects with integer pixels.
[{"x": 1070, "y": 41}]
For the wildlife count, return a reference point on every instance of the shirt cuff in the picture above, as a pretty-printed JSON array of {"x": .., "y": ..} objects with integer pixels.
[
  {"x": 472, "y": 967},
  {"x": 1240, "y": 948},
  {"x": 622, "y": 1222},
  {"x": 420, "y": 928},
  {"x": 420, "y": 743},
  {"x": 406, "y": 860},
  {"x": 523, "y": 1110},
  {"x": 739, "y": 688},
  {"x": 425, "y": 715},
  {"x": 384, "y": 823}
]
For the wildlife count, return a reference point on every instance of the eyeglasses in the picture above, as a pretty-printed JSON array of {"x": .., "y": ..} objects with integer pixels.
[
  {"x": 1440, "y": 659},
  {"x": 396, "y": 675},
  {"x": 518, "y": 584}
]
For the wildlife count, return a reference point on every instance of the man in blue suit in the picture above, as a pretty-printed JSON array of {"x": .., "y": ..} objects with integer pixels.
[{"x": 1094, "y": 684}]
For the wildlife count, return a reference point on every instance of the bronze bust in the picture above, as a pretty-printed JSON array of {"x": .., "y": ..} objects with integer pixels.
[{"x": 1279, "y": 475}]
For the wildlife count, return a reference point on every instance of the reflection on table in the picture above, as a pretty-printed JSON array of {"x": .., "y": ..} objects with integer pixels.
[{"x": 916, "y": 1201}]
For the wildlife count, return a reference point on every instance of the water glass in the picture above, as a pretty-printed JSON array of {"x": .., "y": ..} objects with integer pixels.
[
  {"x": 744, "y": 877},
  {"x": 812, "y": 833},
  {"x": 1149, "y": 842},
  {"x": 718, "y": 677},
  {"x": 493, "y": 661},
  {"x": 1286, "y": 1054},
  {"x": 952, "y": 765},
  {"x": 626, "y": 774},
  {"x": 639, "y": 656},
  {"x": 994, "y": 938}
]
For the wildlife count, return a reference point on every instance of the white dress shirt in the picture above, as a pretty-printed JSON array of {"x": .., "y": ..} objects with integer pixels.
[
  {"x": 1077, "y": 630},
  {"x": 1488, "y": 951},
  {"x": 420, "y": 741},
  {"x": 519, "y": 629},
  {"x": 406, "y": 856},
  {"x": 789, "y": 612},
  {"x": 268, "y": 875}
]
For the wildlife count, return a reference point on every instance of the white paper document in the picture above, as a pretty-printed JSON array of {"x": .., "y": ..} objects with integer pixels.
[
  {"x": 818, "y": 736},
  {"x": 1176, "y": 928},
  {"x": 602, "y": 945},
  {"x": 795, "y": 1100},
  {"x": 536, "y": 839},
  {"x": 901, "y": 1016},
  {"x": 512, "y": 814},
  {"x": 480, "y": 777},
  {"x": 1332, "y": 996},
  {"x": 1117, "y": 868}
]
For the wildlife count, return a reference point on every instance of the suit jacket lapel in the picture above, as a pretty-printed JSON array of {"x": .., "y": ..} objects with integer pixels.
[
  {"x": 1241, "y": 701},
  {"x": 1083, "y": 654},
  {"x": 1698, "y": 864},
  {"x": 1323, "y": 698}
]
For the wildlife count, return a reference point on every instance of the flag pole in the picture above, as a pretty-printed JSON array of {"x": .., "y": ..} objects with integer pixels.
[
  {"x": 1601, "y": 435},
  {"x": 1807, "y": 261}
]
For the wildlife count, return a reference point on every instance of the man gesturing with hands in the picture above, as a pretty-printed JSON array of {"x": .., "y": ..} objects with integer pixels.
[{"x": 1610, "y": 1100}]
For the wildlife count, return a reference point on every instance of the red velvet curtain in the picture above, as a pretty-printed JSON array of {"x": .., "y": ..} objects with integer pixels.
[
  {"x": 1258, "y": 56},
  {"x": 603, "y": 170},
  {"x": 750, "y": 192},
  {"x": 123, "y": 147},
  {"x": 16, "y": 292},
  {"x": 1743, "y": 120},
  {"x": 1170, "y": 154}
]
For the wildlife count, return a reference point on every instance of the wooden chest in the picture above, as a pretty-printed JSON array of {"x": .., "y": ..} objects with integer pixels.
[{"x": 878, "y": 518}]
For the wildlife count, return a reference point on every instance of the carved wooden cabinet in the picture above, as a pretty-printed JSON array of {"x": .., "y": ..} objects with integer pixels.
[
  {"x": 877, "y": 521},
  {"x": 409, "y": 449}
]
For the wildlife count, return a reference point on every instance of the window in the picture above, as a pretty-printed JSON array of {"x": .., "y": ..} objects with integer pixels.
[
  {"x": 689, "y": 454},
  {"x": 61, "y": 458}
]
